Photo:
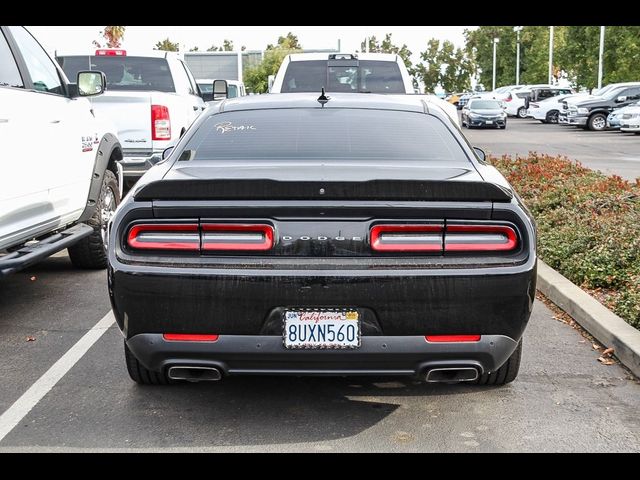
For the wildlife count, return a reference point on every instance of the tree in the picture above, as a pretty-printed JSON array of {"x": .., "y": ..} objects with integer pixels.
[
  {"x": 227, "y": 46},
  {"x": 387, "y": 46},
  {"x": 444, "y": 65},
  {"x": 290, "y": 41},
  {"x": 167, "y": 45},
  {"x": 257, "y": 78},
  {"x": 194, "y": 49},
  {"x": 113, "y": 36}
]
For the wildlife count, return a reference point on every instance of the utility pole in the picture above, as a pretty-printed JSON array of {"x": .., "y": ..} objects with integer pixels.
[
  {"x": 517, "y": 30},
  {"x": 600, "y": 57},
  {"x": 495, "y": 44},
  {"x": 550, "y": 55}
]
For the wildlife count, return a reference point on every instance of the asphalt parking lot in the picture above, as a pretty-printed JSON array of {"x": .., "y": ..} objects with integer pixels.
[
  {"x": 563, "y": 399},
  {"x": 612, "y": 152}
]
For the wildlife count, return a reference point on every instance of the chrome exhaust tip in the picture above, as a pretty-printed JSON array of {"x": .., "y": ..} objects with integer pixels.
[
  {"x": 452, "y": 375},
  {"x": 195, "y": 374}
]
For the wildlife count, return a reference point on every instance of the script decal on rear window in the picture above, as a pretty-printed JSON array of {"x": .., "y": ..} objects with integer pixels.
[{"x": 226, "y": 127}]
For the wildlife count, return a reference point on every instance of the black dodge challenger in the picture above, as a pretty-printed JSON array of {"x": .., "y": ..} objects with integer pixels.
[{"x": 291, "y": 234}]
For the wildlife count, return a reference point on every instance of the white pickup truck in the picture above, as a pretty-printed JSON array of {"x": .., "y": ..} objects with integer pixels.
[
  {"x": 60, "y": 181},
  {"x": 384, "y": 73},
  {"x": 152, "y": 99}
]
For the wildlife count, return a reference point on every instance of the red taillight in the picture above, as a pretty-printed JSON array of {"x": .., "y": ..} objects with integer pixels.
[
  {"x": 406, "y": 238},
  {"x": 229, "y": 236},
  {"x": 189, "y": 337},
  {"x": 164, "y": 237},
  {"x": 160, "y": 123},
  {"x": 479, "y": 238},
  {"x": 111, "y": 52},
  {"x": 508, "y": 99},
  {"x": 451, "y": 338}
]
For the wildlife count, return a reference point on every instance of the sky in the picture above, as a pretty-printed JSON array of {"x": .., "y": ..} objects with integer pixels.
[{"x": 77, "y": 39}]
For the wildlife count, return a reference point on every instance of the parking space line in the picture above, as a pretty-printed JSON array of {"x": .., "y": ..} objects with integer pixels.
[{"x": 29, "y": 399}]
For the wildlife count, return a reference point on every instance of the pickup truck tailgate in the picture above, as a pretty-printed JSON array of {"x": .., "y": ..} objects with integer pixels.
[{"x": 131, "y": 112}]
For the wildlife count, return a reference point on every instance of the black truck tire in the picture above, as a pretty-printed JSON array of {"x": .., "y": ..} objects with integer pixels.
[
  {"x": 140, "y": 374},
  {"x": 91, "y": 251},
  {"x": 507, "y": 373}
]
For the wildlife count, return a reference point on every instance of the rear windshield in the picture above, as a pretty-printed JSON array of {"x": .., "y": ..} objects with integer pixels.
[
  {"x": 123, "y": 73},
  {"x": 484, "y": 104},
  {"x": 369, "y": 76},
  {"x": 328, "y": 134}
]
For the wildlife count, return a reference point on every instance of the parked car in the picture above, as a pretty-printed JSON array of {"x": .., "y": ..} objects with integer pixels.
[
  {"x": 592, "y": 113},
  {"x": 215, "y": 272},
  {"x": 538, "y": 94},
  {"x": 630, "y": 119},
  {"x": 480, "y": 112},
  {"x": 235, "y": 87},
  {"x": 514, "y": 103},
  {"x": 383, "y": 73},
  {"x": 152, "y": 98},
  {"x": 615, "y": 117},
  {"x": 464, "y": 99},
  {"x": 60, "y": 181},
  {"x": 547, "y": 110},
  {"x": 454, "y": 98},
  {"x": 580, "y": 97}
]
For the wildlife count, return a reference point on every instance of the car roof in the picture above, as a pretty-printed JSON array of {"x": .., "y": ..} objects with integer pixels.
[
  {"x": 301, "y": 57},
  {"x": 130, "y": 53},
  {"x": 373, "y": 101}
]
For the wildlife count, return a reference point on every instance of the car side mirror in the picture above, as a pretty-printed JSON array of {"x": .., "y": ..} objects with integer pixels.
[
  {"x": 166, "y": 152},
  {"x": 480, "y": 153},
  {"x": 220, "y": 89},
  {"x": 91, "y": 83},
  {"x": 621, "y": 99}
]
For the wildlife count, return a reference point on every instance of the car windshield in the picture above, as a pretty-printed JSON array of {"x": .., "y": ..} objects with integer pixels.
[
  {"x": 367, "y": 76},
  {"x": 484, "y": 105},
  {"x": 327, "y": 134},
  {"x": 613, "y": 93},
  {"x": 123, "y": 73}
]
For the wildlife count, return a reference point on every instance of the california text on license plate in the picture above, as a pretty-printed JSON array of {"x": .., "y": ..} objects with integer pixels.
[{"x": 322, "y": 329}]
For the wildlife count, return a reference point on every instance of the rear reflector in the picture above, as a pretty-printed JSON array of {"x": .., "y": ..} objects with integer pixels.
[
  {"x": 111, "y": 52},
  {"x": 406, "y": 238},
  {"x": 189, "y": 337},
  {"x": 452, "y": 338},
  {"x": 164, "y": 237},
  {"x": 160, "y": 123},
  {"x": 227, "y": 236},
  {"x": 479, "y": 238}
]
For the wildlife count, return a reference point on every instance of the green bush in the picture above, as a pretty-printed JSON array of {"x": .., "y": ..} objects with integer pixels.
[{"x": 588, "y": 225}]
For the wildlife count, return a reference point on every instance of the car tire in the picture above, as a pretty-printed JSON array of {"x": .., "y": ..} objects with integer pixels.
[
  {"x": 91, "y": 251},
  {"x": 552, "y": 116},
  {"x": 522, "y": 112},
  {"x": 142, "y": 375},
  {"x": 597, "y": 122},
  {"x": 507, "y": 373}
]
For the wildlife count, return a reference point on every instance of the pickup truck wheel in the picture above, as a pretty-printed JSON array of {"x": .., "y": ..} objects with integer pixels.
[
  {"x": 507, "y": 373},
  {"x": 597, "y": 122},
  {"x": 140, "y": 374},
  {"x": 91, "y": 251}
]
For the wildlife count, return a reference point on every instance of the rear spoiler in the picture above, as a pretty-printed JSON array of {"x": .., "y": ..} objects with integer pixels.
[{"x": 267, "y": 189}]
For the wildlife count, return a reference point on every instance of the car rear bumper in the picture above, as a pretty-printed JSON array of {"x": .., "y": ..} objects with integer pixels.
[
  {"x": 136, "y": 166},
  {"x": 377, "y": 355}
]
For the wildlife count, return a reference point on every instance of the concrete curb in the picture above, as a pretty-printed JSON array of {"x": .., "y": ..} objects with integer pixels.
[{"x": 599, "y": 321}]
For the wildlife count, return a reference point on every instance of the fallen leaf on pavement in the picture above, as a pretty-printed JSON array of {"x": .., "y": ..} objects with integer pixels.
[
  {"x": 595, "y": 346},
  {"x": 31, "y": 339},
  {"x": 606, "y": 361},
  {"x": 608, "y": 351}
]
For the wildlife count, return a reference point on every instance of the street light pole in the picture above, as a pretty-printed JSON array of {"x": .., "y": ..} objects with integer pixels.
[
  {"x": 550, "y": 55},
  {"x": 495, "y": 44},
  {"x": 517, "y": 30},
  {"x": 600, "y": 57}
]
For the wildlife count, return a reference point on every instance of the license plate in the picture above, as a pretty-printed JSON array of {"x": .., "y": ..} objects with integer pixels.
[
  {"x": 489, "y": 122},
  {"x": 321, "y": 329}
]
